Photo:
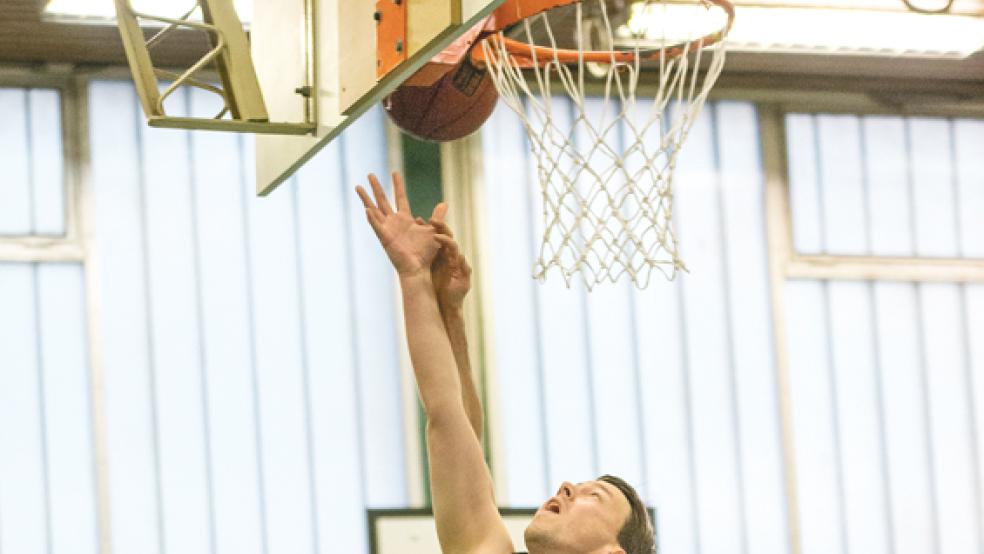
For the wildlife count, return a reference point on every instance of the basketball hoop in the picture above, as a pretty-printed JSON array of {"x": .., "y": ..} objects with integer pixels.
[{"x": 606, "y": 178}]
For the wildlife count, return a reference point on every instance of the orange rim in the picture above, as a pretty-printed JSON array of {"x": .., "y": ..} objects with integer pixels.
[
  {"x": 514, "y": 11},
  {"x": 525, "y": 55}
]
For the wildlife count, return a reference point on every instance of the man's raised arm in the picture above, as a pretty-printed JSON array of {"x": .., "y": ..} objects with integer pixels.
[
  {"x": 452, "y": 281},
  {"x": 461, "y": 487}
]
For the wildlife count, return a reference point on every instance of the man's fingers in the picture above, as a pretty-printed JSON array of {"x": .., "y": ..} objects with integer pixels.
[
  {"x": 440, "y": 210},
  {"x": 377, "y": 191},
  {"x": 373, "y": 214},
  {"x": 437, "y": 219},
  {"x": 442, "y": 228},
  {"x": 402, "y": 203},
  {"x": 449, "y": 244},
  {"x": 420, "y": 221},
  {"x": 375, "y": 219},
  {"x": 366, "y": 201}
]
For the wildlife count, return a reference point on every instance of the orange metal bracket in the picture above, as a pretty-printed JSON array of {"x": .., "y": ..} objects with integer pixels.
[{"x": 391, "y": 35}]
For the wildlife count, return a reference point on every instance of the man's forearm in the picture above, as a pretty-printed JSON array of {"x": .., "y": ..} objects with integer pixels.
[
  {"x": 454, "y": 323},
  {"x": 465, "y": 513},
  {"x": 430, "y": 349}
]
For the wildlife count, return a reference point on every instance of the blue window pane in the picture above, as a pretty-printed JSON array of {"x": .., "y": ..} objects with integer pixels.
[
  {"x": 884, "y": 185},
  {"x": 32, "y": 190}
]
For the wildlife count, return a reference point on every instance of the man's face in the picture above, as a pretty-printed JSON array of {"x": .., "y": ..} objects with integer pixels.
[{"x": 582, "y": 518}]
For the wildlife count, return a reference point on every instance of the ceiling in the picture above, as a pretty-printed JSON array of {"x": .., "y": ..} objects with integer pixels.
[{"x": 24, "y": 38}]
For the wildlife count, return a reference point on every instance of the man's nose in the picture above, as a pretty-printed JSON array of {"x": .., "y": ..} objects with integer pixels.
[{"x": 567, "y": 490}]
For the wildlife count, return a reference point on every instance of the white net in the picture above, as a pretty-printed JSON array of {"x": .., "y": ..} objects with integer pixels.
[{"x": 605, "y": 168}]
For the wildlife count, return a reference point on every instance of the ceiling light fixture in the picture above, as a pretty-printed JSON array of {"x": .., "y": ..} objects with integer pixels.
[{"x": 812, "y": 30}]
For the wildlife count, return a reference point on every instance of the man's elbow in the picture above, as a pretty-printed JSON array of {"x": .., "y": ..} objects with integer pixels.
[{"x": 444, "y": 414}]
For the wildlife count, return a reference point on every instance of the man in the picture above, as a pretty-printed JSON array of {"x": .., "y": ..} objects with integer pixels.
[{"x": 604, "y": 516}]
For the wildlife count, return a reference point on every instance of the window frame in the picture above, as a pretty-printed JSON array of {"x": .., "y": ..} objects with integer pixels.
[
  {"x": 68, "y": 247},
  {"x": 796, "y": 265}
]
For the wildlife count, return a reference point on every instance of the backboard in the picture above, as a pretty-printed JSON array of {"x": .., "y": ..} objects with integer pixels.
[{"x": 316, "y": 61}]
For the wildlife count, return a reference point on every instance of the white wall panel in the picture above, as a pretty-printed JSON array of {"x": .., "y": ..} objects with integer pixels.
[
  {"x": 16, "y": 202},
  {"x": 47, "y": 489},
  {"x": 568, "y": 407},
  {"x": 664, "y": 380},
  {"x": 841, "y": 184},
  {"x": 173, "y": 326},
  {"x": 906, "y": 433},
  {"x": 708, "y": 347},
  {"x": 933, "y": 182},
  {"x": 614, "y": 383},
  {"x": 119, "y": 255},
  {"x": 47, "y": 161},
  {"x": 815, "y": 435},
  {"x": 508, "y": 188},
  {"x": 884, "y": 416},
  {"x": 757, "y": 410},
  {"x": 950, "y": 417},
  {"x": 887, "y": 176},
  {"x": 332, "y": 392},
  {"x": 218, "y": 199},
  {"x": 280, "y": 367},
  {"x": 804, "y": 187},
  {"x": 860, "y": 434},
  {"x": 24, "y": 490},
  {"x": 974, "y": 298},
  {"x": 376, "y": 320},
  {"x": 67, "y": 402},
  {"x": 32, "y": 195},
  {"x": 968, "y": 136}
]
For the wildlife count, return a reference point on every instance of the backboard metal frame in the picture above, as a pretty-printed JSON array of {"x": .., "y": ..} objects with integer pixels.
[{"x": 228, "y": 51}]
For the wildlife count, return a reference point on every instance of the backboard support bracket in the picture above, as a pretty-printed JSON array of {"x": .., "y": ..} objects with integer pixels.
[
  {"x": 228, "y": 125},
  {"x": 229, "y": 52},
  {"x": 391, "y": 35}
]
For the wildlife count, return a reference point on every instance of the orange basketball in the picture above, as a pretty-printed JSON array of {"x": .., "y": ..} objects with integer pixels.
[{"x": 452, "y": 107}]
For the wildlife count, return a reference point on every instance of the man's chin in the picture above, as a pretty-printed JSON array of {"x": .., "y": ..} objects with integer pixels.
[{"x": 538, "y": 532}]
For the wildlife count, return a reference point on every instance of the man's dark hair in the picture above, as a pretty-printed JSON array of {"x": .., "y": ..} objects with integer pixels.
[{"x": 636, "y": 535}]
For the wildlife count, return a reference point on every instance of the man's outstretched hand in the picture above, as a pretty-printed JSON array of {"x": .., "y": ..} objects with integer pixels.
[
  {"x": 450, "y": 271},
  {"x": 411, "y": 247}
]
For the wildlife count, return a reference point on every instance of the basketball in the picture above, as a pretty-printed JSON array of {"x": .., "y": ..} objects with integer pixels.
[{"x": 451, "y": 108}]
